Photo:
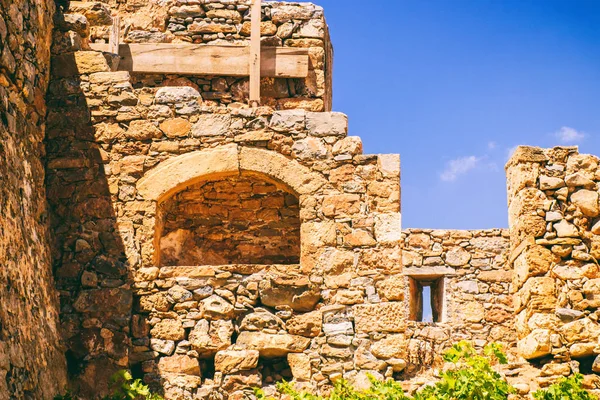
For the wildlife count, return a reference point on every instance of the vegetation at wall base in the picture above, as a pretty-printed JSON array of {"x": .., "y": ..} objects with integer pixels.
[
  {"x": 568, "y": 388},
  {"x": 471, "y": 377},
  {"x": 123, "y": 387}
]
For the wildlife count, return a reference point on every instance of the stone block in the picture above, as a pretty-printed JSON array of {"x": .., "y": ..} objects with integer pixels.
[
  {"x": 212, "y": 125},
  {"x": 176, "y": 94},
  {"x": 176, "y": 127},
  {"x": 392, "y": 346},
  {"x": 389, "y": 165},
  {"x": 351, "y": 145},
  {"x": 179, "y": 364},
  {"x": 288, "y": 121},
  {"x": 232, "y": 361},
  {"x": 172, "y": 175},
  {"x": 96, "y": 12},
  {"x": 321, "y": 124},
  {"x": 300, "y": 365},
  {"x": 299, "y": 178},
  {"x": 587, "y": 202},
  {"x": 282, "y": 12},
  {"x": 168, "y": 329},
  {"x": 273, "y": 345},
  {"x": 142, "y": 130},
  {"x": 295, "y": 292},
  {"x": 392, "y": 288},
  {"x": 382, "y": 317},
  {"x": 209, "y": 337},
  {"x": 308, "y": 324},
  {"x": 535, "y": 345},
  {"x": 388, "y": 229},
  {"x": 534, "y": 261}
]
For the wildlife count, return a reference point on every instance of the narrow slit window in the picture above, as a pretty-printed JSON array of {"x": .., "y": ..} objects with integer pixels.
[{"x": 426, "y": 299}]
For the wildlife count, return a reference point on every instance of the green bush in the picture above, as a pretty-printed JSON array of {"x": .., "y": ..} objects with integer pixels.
[
  {"x": 123, "y": 387},
  {"x": 470, "y": 378},
  {"x": 565, "y": 389}
]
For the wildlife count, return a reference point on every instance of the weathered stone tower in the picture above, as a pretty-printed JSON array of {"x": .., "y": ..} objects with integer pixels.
[{"x": 212, "y": 247}]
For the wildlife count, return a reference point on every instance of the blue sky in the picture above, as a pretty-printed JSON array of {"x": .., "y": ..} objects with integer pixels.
[{"x": 453, "y": 85}]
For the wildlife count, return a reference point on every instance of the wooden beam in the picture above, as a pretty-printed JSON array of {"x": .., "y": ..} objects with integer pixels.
[
  {"x": 113, "y": 42},
  {"x": 203, "y": 59},
  {"x": 255, "y": 53}
]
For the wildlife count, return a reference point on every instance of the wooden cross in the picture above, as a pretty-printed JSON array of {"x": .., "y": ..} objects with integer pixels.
[
  {"x": 255, "y": 53},
  {"x": 211, "y": 60}
]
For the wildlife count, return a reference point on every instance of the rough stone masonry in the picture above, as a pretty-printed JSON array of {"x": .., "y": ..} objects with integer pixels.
[{"x": 212, "y": 248}]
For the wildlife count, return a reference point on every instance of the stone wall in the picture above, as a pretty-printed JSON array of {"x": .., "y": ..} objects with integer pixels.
[
  {"x": 31, "y": 358},
  {"x": 124, "y": 156},
  {"x": 553, "y": 216},
  {"x": 227, "y": 22},
  {"x": 476, "y": 301},
  {"x": 213, "y": 248}
]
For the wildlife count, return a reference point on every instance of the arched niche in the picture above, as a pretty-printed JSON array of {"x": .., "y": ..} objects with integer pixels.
[{"x": 230, "y": 168}]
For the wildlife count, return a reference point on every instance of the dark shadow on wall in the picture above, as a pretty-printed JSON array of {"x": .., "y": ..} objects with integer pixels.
[{"x": 89, "y": 262}]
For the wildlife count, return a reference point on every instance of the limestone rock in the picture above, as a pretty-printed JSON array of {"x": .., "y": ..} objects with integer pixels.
[
  {"x": 535, "y": 345},
  {"x": 282, "y": 12},
  {"x": 351, "y": 145},
  {"x": 300, "y": 366},
  {"x": 579, "y": 179},
  {"x": 176, "y": 94},
  {"x": 212, "y": 125},
  {"x": 591, "y": 292},
  {"x": 179, "y": 364},
  {"x": 267, "y": 28},
  {"x": 166, "y": 347},
  {"x": 168, "y": 329},
  {"x": 566, "y": 229},
  {"x": 261, "y": 319},
  {"x": 216, "y": 307},
  {"x": 388, "y": 228},
  {"x": 308, "y": 324},
  {"x": 457, "y": 257},
  {"x": 210, "y": 27},
  {"x": 176, "y": 127},
  {"x": 587, "y": 201},
  {"x": 209, "y": 337},
  {"x": 550, "y": 183},
  {"x": 293, "y": 291},
  {"x": 273, "y": 345},
  {"x": 232, "y": 361},
  {"x": 393, "y": 346},
  {"x": 326, "y": 124},
  {"x": 382, "y": 317},
  {"x": 309, "y": 149},
  {"x": 96, "y": 12},
  {"x": 392, "y": 288},
  {"x": 288, "y": 120}
]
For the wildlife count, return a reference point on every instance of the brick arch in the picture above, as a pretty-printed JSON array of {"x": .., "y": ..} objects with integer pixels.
[{"x": 177, "y": 173}]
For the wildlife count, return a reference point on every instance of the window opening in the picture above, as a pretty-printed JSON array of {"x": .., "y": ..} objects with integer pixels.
[{"x": 426, "y": 299}]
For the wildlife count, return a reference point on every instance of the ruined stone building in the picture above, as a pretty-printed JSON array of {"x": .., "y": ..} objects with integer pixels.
[{"x": 154, "y": 221}]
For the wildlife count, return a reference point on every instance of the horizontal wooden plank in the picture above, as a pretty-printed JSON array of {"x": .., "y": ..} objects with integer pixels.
[{"x": 198, "y": 59}]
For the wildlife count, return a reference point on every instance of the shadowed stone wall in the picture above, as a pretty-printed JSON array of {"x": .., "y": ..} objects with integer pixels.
[
  {"x": 32, "y": 362},
  {"x": 129, "y": 164}
]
